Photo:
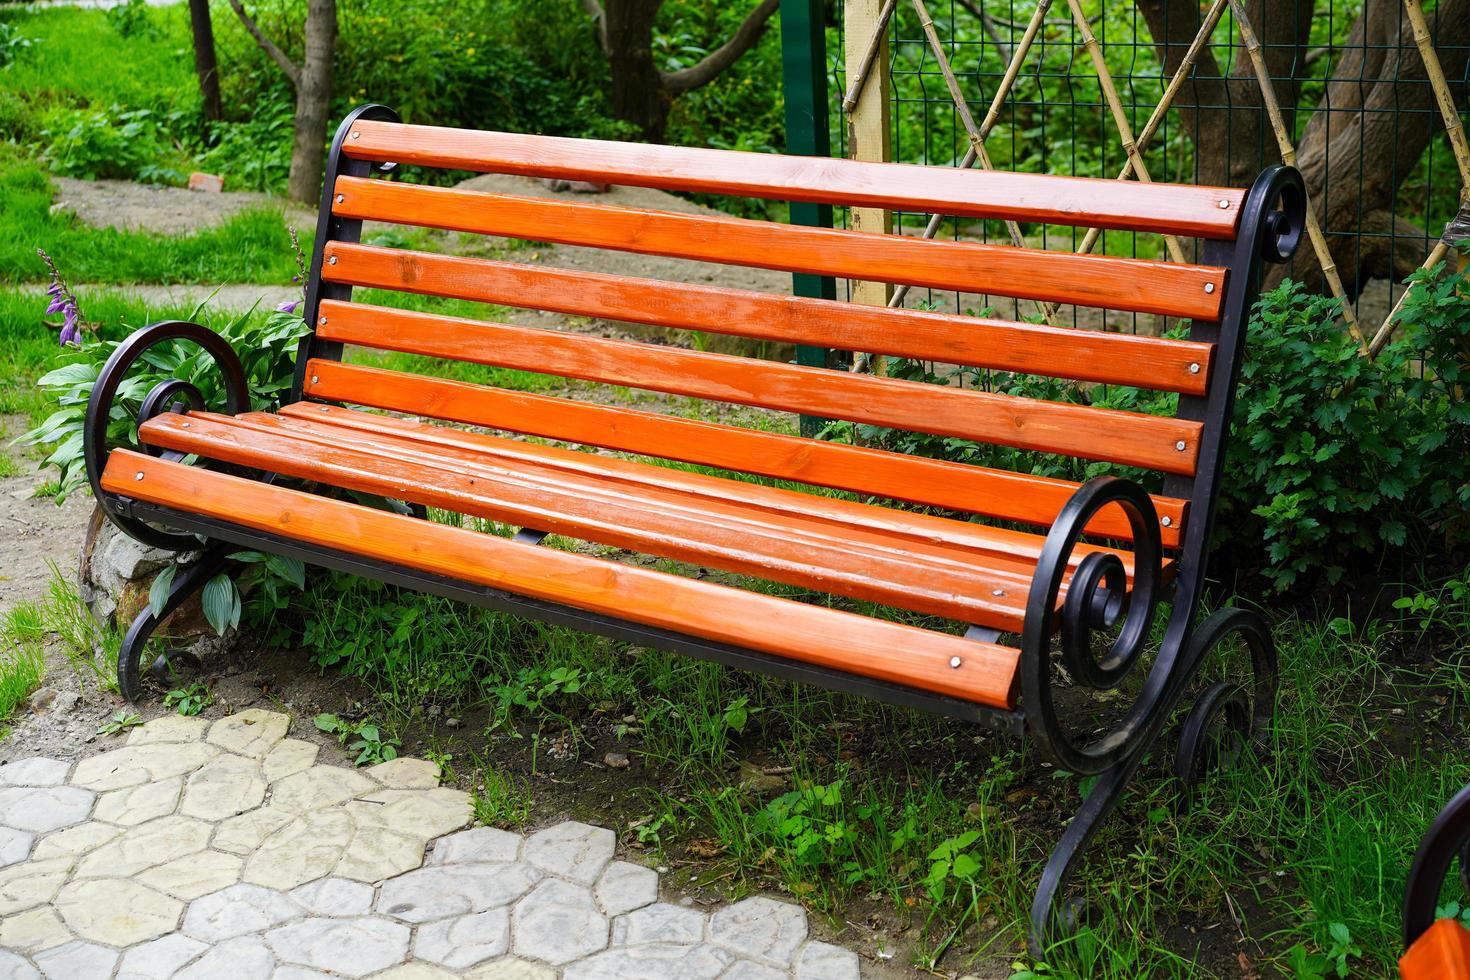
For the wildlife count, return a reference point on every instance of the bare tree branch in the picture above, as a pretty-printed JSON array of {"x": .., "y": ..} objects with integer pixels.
[
  {"x": 292, "y": 70},
  {"x": 725, "y": 55},
  {"x": 599, "y": 17}
]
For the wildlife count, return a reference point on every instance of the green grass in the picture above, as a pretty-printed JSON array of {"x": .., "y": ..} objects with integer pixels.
[
  {"x": 251, "y": 246},
  {"x": 22, "y": 662}
]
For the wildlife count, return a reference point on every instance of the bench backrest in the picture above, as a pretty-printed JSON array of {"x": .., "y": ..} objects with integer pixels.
[{"x": 1202, "y": 369}]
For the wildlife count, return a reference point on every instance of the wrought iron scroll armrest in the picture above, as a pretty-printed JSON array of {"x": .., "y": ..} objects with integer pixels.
[{"x": 167, "y": 396}]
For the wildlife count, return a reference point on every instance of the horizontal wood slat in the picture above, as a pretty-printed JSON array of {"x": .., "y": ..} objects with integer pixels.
[
  {"x": 1085, "y": 355},
  {"x": 985, "y": 673},
  {"x": 1064, "y": 277},
  {"x": 1158, "y": 443},
  {"x": 1170, "y": 208},
  {"x": 996, "y": 493},
  {"x": 332, "y": 422},
  {"x": 923, "y": 576}
]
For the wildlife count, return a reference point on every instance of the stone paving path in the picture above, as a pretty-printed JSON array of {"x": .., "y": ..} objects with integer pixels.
[{"x": 200, "y": 851}]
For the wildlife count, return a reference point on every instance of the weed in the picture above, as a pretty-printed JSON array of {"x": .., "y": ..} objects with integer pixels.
[
  {"x": 361, "y": 737},
  {"x": 120, "y": 720},
  {"x": 502, "y": 799},
  {"x": 189, "y": 700}
]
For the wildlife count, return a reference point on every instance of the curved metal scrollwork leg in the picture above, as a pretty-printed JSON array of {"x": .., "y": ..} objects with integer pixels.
[
  {"x": 1448, "y": 837},
  {"x": 188, "y": 580},
  {"x": 1225, "y": 718}
]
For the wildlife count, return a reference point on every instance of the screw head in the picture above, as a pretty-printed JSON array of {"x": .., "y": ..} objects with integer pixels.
[
  {"x": 955, "y": 662},
  {"x": 326, "y": 408},
  {"x": 341, "y": 198},
  {"x": 1167, "y": 522},
  {"x": 323, "y": 321},
  {"x": 313, "y": 379},
  {"x": 1224, "y": 205},
  {"x": 184, "y": 425},
  {"x": 1209, "y": 286},
  {"x": 138, "y": 475},
  {"x": 1179, "y": 445},
  {"x": 1194, "y": 368},
  {"x": 332, "y": 260},
  {"x": 997, "y": 592},
  {"x": 356, "y": 135}
]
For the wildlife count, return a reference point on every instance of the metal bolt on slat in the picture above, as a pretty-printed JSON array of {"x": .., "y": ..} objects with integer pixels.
[
  {"x": 1209, "y": 287},
  {"x": 1194, "y": 369},
  {"x": 1167, "y": 522},
  {"x": 1179, "y": 445},
  {"x": 955, "y": 662}
]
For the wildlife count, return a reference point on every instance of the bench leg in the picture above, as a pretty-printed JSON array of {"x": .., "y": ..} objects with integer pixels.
[
  {"x": 1223, "y": 721},
  {"x": 188, "y": 580}
]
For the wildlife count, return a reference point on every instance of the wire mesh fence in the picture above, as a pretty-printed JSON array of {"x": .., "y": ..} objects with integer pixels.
[{"x": 1356, "y": 106}]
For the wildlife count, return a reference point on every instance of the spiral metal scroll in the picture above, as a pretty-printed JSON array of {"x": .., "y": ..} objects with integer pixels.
[
  {"x": 1226, "y": 719},
  {"x": 170, "y": 395},
  {"x": 1098, "y": 597}
]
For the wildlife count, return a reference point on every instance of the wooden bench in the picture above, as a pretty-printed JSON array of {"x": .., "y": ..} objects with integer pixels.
[{"x": 1031, "y": 570}]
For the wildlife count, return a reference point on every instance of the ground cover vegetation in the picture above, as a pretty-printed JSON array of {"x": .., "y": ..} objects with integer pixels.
[{"x": 1344, "y": 505}]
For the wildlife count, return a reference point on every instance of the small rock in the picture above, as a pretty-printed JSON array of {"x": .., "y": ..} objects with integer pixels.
[
  {"x": 615, "y": 760},
  {"x": 40, "y": 700},
  {"x": 65, "y": 702},
  {"x": 207, "y": 183},
  {"x": 451, "y": 722}
]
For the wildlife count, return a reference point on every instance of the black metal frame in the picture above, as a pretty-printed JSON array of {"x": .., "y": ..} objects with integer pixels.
[
  {"x": 1097, "y": 599},
  {"x": 1448, "y": 837}
]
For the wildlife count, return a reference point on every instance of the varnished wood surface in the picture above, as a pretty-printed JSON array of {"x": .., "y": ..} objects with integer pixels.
[
  {"x": 980, "y": 672},
  {"x": 1140, "y": 285},
  {"x": 996, "y": 493},
  {"x": 1084, "y": 355},
  {"x": 1166, "y": 444},
  {"x": 1177, "y": 209}
]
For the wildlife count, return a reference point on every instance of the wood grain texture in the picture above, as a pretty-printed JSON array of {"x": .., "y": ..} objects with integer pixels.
[
  {"x": 1084, "y": 355},
  {"x": 1062, "y": 276},
  {"x": 1166, "y": 444},
  {"x": 973, "y": 489},
  {"x": 986, "y": 673},
  {"x": 1169, "y": 208},
  {"x": 933, "y": 577}
]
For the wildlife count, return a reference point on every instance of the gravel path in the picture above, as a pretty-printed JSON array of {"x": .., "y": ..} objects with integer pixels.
[{"x": 202, "y": 850}]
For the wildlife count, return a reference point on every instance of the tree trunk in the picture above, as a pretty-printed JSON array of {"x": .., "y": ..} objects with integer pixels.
[
  {"x": 313, "y": 102},
  {"x": 638, "y": 94},
  {"x": 1354, "y": 157},
  {"x": 205, "y": 65}
]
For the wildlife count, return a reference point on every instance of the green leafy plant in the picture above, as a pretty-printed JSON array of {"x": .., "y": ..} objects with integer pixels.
[
  {"x": 114, "y": 143},
  {"x": 12, "y": 42},
  {"x": 365, "y": 739},
  {"x": 131, "y": 20},
  {"x": 120, "y": 720},
  {"x": 536, "y": 691},
  {"x": 502, "y": 799},
  {"x": 189, "y": 700},
  {"x": 1307, "y": 965}
]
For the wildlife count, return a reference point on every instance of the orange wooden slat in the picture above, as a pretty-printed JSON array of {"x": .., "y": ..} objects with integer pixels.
[
  {"x": 1085, "y": 355},
  {"x": 924, "y": 576},
  {"x": 1065, "y": 277},
  {"x": 982, "y": 672},
  {"x": 1169, "y": 208},
  {"x": 1131, "y": 438},
  {"x": 343, "y": 425},
  {"x": 973, "y": 489},
  {"x": 1441, "y": 953}
]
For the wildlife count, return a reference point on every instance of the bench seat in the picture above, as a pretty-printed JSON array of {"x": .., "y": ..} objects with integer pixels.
[{"x": 934, "y": 565}]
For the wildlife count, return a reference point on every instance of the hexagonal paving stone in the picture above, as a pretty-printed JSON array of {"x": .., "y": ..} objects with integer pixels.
[
  {"x": 13, "y": 967},
  {"x": 335, "y": 896},
  {"x": 288, "y": 758},
  {"x": 243, "y": 834},
  {"x": 290, "y": 971},
  {"x": 134, "y": 764},
  {"x": 476, "y": 844},
  {"x": 75, "y": 841},
  {"x": 746, "y": 970},
  {"x": 823, "y": 961},
  {"x": 571, "y": 849},
  {"x": 350, "y": 947},
  {"x": 416, "y": 971},
  {"x": 701, "y": 962},
  {"x": 76, "y": 959},
  {"x": 761, "y": 929},
  {"x": 241, "y": 958},
  {"x": 624, "y": 887},
  {"x": 464, "y": 941},
  {"x": 31, "y": 883},
  {"x": 34, "y": 771},
  {"x": 117, "y": 911},
  {"x": 304, "y": 850},
  {"x": 376, "y": 853},
  {"x": 159, "y": 959},
  {"x": 32, "y": 930},
  {"x": 251, "y": 733},
  {"x": 558, "y": 923},
  {"x": 194, "y": 875},
  {"x": 406, "y": 773},
  {"x": 15, "y": 845},
  {"x": 222, "y": 788},
  {"x": 237, "y": 910},
  {"x": 511, "y": 968},
  {"x": 42, "y": 809},
  {"x": 169, "y": 728},
  {"x": 320, "y": 786},
  {"x": 428, "y": 812},
  {"x": 445, "y": 890},
  {"x": 154, "y": 843},
  {"x": 133, "y": 805},
  {"x": 660, "y": 923}
]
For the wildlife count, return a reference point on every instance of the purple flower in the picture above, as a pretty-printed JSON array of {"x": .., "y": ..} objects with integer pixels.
[
  {"x": 289, "y": 306},
  {"x": 71, "y": 332},
  {"x": 55, "y": 288},
  {"x": 57, "y": 304}
]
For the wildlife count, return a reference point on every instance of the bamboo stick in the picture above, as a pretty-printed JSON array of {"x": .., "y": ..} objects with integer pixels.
[
  {"x": 1441, "y": 88},
  {"x": 870, "y": 53},
  {"x": 1288, "y": 156},
  {"x": 1386, "y": 332}
]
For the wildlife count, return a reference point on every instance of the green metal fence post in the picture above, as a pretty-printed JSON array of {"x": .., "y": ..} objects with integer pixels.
[{"x": 804, "y": 79}]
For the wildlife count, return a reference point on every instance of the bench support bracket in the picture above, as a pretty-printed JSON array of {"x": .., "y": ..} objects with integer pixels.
[{"x": 188, "y": 580}]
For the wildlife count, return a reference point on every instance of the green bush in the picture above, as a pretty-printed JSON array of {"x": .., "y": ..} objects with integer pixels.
[{"x": 1335, "y": 460}]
